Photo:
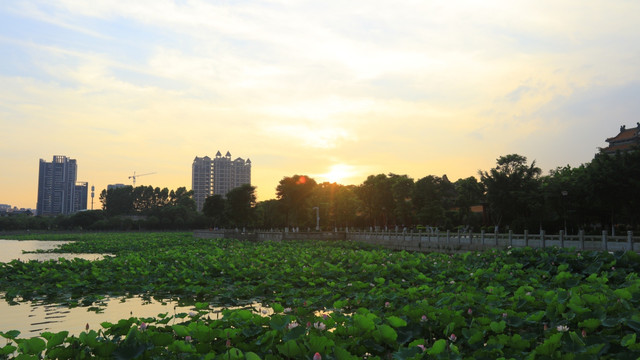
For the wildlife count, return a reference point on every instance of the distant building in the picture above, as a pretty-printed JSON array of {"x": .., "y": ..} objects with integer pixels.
[
  {"x": 217, "y": 176},
  {"x": 4, "y": 208},
  {"x": 201, "y": 180},
  {"x": 81, "y": 197},
  {"x": 115, "y": 186},
  {"x": 58, "y": 192},
  {"x": 626, "y": 140}
]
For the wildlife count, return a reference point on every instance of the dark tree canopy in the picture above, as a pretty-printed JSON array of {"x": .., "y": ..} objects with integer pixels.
[
  {"x": 512, "y": 189},
  {"x": 240, "y": 205},
  {"x": 293, "y": 193}
]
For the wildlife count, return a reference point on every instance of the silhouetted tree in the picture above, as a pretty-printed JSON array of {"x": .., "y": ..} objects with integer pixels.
[
  {"x": 513, "y": 190},
  {"x": 213, "y": 208},
  {"x": 428, "y": 201},
  {"x": 377, "y": 199},
  {"x": 292, "y": 194},
  {"x": 240, "y": 205}
]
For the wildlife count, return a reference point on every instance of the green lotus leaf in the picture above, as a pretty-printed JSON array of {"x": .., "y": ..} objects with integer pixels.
[
  {"x": 498, "y": 327},
  {"x": 290, "y": 349},
  {"x": 396, "y": 321},
  {"x": 32, "y": 346},
  {"x": 438, "y": 347},
  {"x": 628, "y": 340},
  {"x": 363, "y": 322},
  {"x": 590, "y": 324}
]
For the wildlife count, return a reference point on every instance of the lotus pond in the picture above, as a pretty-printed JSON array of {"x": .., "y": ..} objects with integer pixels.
[{"x": 332, "y": 300}]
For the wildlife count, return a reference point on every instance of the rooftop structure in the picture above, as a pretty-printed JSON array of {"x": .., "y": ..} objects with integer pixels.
[{"x": 626, "y": 140}]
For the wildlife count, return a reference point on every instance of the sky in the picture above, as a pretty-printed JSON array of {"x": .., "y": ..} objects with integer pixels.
[{"x": 331, "y": 89}]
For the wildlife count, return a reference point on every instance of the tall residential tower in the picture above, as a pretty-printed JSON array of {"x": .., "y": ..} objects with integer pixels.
[
  {"x": 217, "y": 176},
  {"x": 58, "y": 192}
]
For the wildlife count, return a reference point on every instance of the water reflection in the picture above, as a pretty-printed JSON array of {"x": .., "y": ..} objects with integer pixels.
[
  {"x": 13, "y": 250},
  {"x": 32, "y": 318}
]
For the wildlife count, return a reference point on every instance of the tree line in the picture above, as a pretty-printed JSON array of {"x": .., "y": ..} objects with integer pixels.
[{"x": 513, "y": 195}]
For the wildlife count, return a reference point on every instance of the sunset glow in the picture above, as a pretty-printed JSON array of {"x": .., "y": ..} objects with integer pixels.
[{"x": 338, "y": 174}]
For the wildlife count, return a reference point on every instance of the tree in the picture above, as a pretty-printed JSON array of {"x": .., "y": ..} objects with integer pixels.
[
  {"x": 402, "y": 190},
  {"x": 614, "y": 187},
  {"x": 292, "y": 194},
  {"x": 345, "y": 206},
  {"x": 240, "y": 205},
  {"x": 377, "y": 199},
  {"x": 117, "y": 201},
  {"x": 512, "y": 190},
  {"x": 269, "y": 214},
  {"x": 337, "y": 204},
  {"x": 214, "y": 209},
  {"x": 469, "y": 192},
  {"x": 182, "y": 197},
  {"x": 428, "y": 201}
]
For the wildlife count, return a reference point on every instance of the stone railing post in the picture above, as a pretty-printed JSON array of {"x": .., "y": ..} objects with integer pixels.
[
  {"x": 511, "y": 238},
  {"x": 562, "y": 239},
  {"x": 482, "y": 237},
  {"x": 581, "y": 238},
  {"x": 542, "y": 239},
  {"x": 604, "y": 240},
  {"x": 630, "y": 240},
  {"x": 526, "y": 238}
]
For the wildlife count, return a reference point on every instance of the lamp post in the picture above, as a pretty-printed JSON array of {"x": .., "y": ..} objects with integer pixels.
[
  {"x": 564, "y": 209},
  {"x": 317, "y": 209}
]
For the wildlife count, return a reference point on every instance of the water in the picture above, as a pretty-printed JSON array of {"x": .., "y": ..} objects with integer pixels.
[
  {"x": 12, "y": 250},
  {"x": 32, "y": 318}
]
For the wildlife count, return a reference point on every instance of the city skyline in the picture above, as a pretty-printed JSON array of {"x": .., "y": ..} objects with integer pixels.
[{"x": 335, "y": 91}]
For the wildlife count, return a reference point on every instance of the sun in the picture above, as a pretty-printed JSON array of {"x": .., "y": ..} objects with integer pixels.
[{"x": 338, "y": 173}]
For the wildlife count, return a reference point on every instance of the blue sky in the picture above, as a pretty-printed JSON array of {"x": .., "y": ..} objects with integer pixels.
[{"x": 334, "y": 90}]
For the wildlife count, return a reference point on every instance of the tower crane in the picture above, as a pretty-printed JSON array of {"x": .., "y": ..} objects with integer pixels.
[{"x": 134, "y": 176}]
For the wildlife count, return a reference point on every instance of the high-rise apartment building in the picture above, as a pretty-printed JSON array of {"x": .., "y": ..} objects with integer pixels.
[
  {"x": 58, "y": 192},
  {"x": 201, "y": 180},
  {"x": 217, "y": 176}
]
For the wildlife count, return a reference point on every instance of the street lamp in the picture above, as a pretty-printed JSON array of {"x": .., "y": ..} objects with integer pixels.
[
  {"x": 317, "y": 209},
  {"x": 564, "y": 209}
]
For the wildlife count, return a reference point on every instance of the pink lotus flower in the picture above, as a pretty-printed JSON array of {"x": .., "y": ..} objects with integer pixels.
[
  {"x": 317, "y": 356},
  {"x": 422, "y": 347},
  {"x": 187, "y": 338},
  {"x": 319, "y": 325},
  {"x": 387, "y": 304},
  {"x": 424, "y": 318},
  {"x": 453, "y": 337},
  {"x": 584, "y": 333},
  {"x": 469, "y": 311},
  {"x": 143, "y": 326},
  {"x": 292, "y": 325}
]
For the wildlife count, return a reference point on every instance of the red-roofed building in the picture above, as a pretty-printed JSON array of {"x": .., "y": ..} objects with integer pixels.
[{"x": 626, "y": 140}]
